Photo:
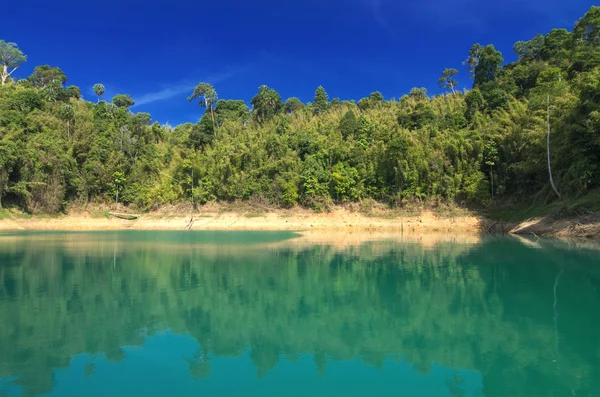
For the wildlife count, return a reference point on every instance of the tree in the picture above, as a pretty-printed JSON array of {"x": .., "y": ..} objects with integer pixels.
[
  {"x": 45, "y": 74},
  {"x": 475, "y": 104},
  {"x": 530, "y": 50},
  {"x": 484, "y": 63},
  {"x": 8, "y": 158},
  {"x": 418, "y": 94},
  {"x": 556, "y": 47},
  {"x": 447, "y": 81},
  {"x": 349, "y": 124},
  {"x": 321, "y": 101},
  {"x": 265, "y": 104},
  {"x": 586, "y": 41},
  {"x": 118, "y": 183},
  {"x": 123, "y": 101},
  {"x": 10, "y": 58},
  {"x": 548, "y": 146},
  {"x": 98, "y": 90},
  {"x": 292, "y": 105},
  {"x": 233, "y": 110},
  {"x": 73, "y": 91},
  {"x": 67, "y": 113},
  {"x": 53, "y": 91},
  {"x": 207, "y": 98}
]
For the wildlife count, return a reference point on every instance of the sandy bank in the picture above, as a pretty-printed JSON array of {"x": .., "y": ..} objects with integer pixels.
[
  {"x": 284, "y": 220},
  {"x": 339, "y": 219}
]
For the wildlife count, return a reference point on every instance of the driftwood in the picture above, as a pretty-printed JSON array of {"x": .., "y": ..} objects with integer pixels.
[{"x": 129, "y": 217}]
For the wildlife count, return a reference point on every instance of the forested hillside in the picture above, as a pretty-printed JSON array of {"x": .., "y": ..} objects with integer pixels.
[{"x": 479, "y": 146}]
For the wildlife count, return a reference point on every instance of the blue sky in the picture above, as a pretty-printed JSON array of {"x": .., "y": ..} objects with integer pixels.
[{"x": 156, "y": 51}]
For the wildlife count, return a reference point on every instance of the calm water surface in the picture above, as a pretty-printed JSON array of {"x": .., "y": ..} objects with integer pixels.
[{"x": 270, "y": 314}]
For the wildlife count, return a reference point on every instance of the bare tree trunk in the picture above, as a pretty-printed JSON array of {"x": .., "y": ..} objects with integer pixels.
[
  {"x": 193, "y": 202},
  {"x": 549, "y": 164},
  {"x": 212, "y": 113},
  {"x": 5, "y": 73},
  {"x": 492, "y": 180}
]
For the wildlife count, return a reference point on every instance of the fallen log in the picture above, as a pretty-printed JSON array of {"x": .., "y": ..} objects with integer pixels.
[{"x": 129, "y": 217}]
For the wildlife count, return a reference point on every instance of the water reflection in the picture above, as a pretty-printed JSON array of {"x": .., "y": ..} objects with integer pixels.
[{"x": 524, "y": 318}]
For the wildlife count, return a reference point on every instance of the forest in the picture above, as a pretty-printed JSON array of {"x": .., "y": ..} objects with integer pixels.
[{"x": 525, "y": 132}]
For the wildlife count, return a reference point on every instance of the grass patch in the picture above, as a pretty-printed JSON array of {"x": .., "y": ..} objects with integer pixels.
[
  {"x": 99, "y": 214},
  {"x": 4, "y": 214},
  {"x": 21, "y": 215}
]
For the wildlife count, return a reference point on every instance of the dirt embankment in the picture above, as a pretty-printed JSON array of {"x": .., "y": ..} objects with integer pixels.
[
  {"x": 587, "y": 226},
  {"x": 338, "y": 219}
]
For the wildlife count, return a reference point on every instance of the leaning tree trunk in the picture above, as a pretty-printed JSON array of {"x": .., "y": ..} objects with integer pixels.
[
  {"x": 549, "y": 164},
  {"x": 212, "y": 113}
]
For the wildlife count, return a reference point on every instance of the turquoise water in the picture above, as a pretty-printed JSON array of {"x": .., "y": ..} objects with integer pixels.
[{"x": 270, "y": 314}]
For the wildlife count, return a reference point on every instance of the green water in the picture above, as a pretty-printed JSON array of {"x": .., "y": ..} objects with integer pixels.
[{"x": 266, "y": 314}]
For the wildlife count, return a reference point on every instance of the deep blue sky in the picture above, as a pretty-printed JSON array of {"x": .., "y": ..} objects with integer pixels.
[{"x": 157, "y": 50}]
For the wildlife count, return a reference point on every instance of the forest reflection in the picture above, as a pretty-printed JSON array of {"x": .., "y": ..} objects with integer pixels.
[{"x": 524, "y": 317}]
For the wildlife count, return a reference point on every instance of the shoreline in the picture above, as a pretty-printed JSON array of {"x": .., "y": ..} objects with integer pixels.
[
  {"x": 340, "y": 219},
  {"x": 275, "y": 220}
]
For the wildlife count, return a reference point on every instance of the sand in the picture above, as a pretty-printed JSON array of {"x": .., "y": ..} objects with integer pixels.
[{"x": 339, "y": 219}]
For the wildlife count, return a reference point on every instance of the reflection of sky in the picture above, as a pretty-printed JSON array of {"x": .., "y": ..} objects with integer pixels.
[{"x": 160, "y": 369}]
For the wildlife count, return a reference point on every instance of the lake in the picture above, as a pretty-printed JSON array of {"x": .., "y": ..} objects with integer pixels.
[{"x": 135, "y": 313}]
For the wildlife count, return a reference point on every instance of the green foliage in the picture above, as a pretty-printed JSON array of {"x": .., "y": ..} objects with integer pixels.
[
  {"x": 293, "y": 105},
  {"x": 10, "y": 58},
  {"x": 98, "y": 90},
  {"x": 45, "y": 74},
  {"x": 321, "y": 101},
  {"x": 232, "y": 110},
  {"x": 487, "y": 144},
  {"x": 123, "y": 101},
  {"x": 447, "y": 80},
  {"x": 266, "y": 104},
  {"x": 73, "y": 91},
  {"x": 349, "y": 124},
  {"x": 484, "y": 63}
]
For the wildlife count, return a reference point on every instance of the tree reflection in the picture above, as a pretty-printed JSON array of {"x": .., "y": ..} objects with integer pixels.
[{"x": 491, "y": 308}]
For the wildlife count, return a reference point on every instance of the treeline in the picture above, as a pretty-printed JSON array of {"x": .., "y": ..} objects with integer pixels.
[{"x": 473, "y": 146}]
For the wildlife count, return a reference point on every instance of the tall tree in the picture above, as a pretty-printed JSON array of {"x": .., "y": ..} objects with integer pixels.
[
  {"x": 586, "y": 41},
  {"x": 292, "y": 104},
  {"x": 45, "y": 74},
  {"x": 265, "y": 104},
  {"x": 321, "y": 101},
  {"x": 231, "y": 109},
  {"x": 447, "y": 81},
  {"x": 548, "y": 147},
  {"x": 10, "y": 58},
  {"x": 207, "y": 98},
  {"x": 99, "y": 90},
  {"x": 484, "y": 63},
  {"x": 123, "y": 101},
  {"x": 530, "y": 50},
  {"x": 67, "y": 113}
]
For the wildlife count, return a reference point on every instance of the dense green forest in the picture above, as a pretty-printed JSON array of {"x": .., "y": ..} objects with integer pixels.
[{"x": 479, "y": 146}]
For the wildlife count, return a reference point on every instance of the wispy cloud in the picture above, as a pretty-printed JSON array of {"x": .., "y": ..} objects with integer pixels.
[
  {"x": 183, "y": 87},
  {"x": 376, "y": 8}
]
